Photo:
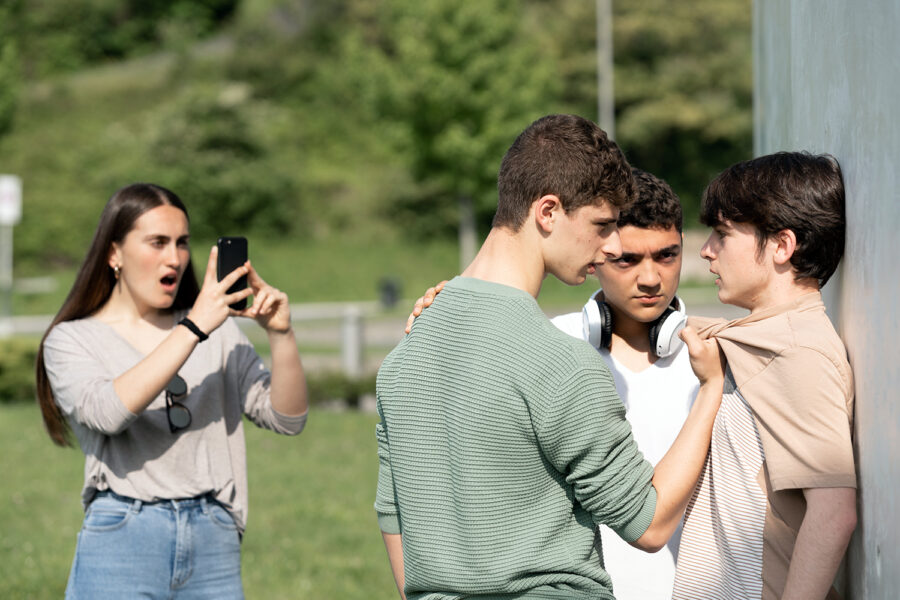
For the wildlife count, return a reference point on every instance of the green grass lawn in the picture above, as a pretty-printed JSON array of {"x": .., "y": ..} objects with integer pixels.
[{"x": 312, "y": 531}]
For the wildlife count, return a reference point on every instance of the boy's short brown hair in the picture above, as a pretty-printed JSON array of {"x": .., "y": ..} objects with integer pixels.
[
  {"x": 564, "y": 155},
  {"x": 788, "y": 190}
]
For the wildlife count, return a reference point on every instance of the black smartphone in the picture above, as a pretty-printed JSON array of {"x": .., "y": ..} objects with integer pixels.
[{"x": 232, "y": 254}]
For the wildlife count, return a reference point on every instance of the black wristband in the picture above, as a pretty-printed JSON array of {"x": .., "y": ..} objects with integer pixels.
[{"x": 194, "y": 329}]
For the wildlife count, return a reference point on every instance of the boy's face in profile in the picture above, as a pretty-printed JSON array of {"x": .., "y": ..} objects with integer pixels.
[
  {"x": 642, "y": 281},
  {"x": 584, "y": 239},
  {"x": 743, "y": 272}
]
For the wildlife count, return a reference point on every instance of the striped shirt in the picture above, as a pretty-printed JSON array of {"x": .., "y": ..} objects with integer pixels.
[{"x": 722, "y": 542}]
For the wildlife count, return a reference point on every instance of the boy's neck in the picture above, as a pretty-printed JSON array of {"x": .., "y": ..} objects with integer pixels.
[
  {"x": 782, "y": 291},
  {"x": 506, "y": 257},
  {"x": 630, "y": 343}
]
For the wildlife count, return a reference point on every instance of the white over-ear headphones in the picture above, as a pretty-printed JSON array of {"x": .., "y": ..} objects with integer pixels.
[{"x": 596, "y": 318}]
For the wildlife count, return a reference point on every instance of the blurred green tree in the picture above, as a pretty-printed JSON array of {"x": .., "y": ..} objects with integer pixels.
[
  {"x": 65, "y": 35},
  {"x": 683, "y": 82},
  {"x": 449, "y": 85},
  {"x": 382, "y": 112},
  {"x": 204, "y": 145},
  {"x": 9, "y": 72},
  {"x": 684, "y": 89},
  {"x": 9, "y": 85}
]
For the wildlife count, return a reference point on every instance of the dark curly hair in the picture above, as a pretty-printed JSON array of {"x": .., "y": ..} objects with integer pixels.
[{"x": 656, "y": 205}]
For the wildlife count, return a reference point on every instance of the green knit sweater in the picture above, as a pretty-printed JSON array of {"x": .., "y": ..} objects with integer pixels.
[{"x": 502, "y": 443}]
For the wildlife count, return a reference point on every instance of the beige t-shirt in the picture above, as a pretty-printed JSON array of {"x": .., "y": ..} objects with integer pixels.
[
  {"x": 136, "y": 455},
  {"x": 790, "y": 367}
]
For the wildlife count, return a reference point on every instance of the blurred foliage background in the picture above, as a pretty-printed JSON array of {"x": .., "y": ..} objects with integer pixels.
[{"x": 356, "y": 124}]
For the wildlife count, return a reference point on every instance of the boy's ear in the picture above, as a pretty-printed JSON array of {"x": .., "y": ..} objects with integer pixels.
[
  {"x": 785, "y": 245},
  {"x": 546, "y": 211}
]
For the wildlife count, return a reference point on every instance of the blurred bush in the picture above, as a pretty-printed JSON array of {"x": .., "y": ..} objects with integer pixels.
[
  {"x": 684, "y": 90},
  {"x": 683, "y": 82},
  {"x": 445, "y": 85},
  {"x": 17, "y": 358},
  {"x": 9, "y": 69},
  {"x": 206, "y": 148},
  {"x": 326, "y": 386},
  {"x": 9, "y": 83},
  {"x": 58, "y": 36}
]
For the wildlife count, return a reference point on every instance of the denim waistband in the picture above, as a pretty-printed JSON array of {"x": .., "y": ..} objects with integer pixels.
[{"x": 172, "y": 504}]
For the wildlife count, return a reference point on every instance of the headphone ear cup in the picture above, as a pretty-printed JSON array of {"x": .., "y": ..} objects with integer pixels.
[
  {"x": 664, "y": 340},
  {"x": 605, "y": 325},
  {"x": 596, "y": 319}
]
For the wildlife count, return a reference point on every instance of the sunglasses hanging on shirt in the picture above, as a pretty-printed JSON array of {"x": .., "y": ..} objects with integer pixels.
[{"x": 177, "y": 413}]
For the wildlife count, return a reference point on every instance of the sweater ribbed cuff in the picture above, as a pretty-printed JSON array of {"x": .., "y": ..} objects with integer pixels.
[
  {"x": 639, "y": 524},
  {"x": 388, "y": 523}
]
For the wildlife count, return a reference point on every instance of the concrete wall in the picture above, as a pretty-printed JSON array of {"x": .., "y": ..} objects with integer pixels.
[{"x": 827, "y": 79}]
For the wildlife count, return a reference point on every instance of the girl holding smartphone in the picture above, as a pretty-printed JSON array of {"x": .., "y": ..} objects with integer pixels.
[{"x": 153, "y": 378}]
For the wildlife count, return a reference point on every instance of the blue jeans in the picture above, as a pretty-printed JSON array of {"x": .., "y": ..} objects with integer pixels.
[{"x": 172, "y": 549}]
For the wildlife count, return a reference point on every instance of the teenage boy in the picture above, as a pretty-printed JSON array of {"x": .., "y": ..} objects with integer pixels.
[
  {"x": 502, "y": 442},
  {"x": 776, "y": 504},
  {"x": 636, "y": 298}
]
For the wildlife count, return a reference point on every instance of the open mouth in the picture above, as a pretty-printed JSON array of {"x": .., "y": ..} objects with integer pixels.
[{"x": 169, "y": 281}]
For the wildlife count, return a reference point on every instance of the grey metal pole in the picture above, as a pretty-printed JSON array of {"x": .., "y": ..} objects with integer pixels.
[
  {"x": 605, "y": 99},
  {"x": 6, "y": 280}
]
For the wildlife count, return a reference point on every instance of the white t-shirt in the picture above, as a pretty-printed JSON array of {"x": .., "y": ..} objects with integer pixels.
[{"x": 657, "y": 401}]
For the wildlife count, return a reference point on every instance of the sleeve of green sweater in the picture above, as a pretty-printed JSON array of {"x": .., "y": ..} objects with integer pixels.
[
  {"x": 583, "y": 433},
  {"x": 385, "y": 496}
]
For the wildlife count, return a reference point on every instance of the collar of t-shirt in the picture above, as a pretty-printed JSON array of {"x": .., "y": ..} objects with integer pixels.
[{"x": 751, "y": 342}]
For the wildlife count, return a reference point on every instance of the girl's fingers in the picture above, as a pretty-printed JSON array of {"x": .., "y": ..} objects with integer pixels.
[
  {"x": 267, "y": 299},
  {"x": 259, "y": 300},
  {"x": 236, "y": 296},
  {"x": 270, "y": 302},
  {"x": 210, "y": 276},
  {"x": 229, "y": 279},
  {"x": 253, "y": 278}
]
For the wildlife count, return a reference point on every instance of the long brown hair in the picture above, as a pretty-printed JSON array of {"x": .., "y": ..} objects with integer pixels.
[{"x": 96, "y": 280}]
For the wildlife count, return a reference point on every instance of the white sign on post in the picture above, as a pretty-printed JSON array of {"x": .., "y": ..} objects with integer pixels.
[{"x": 10, "y": 200}]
